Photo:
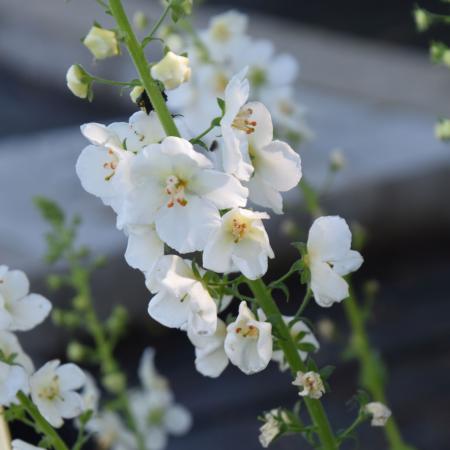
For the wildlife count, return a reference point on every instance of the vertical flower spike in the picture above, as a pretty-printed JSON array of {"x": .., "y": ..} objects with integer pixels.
[
  {"x": 380, "y": 413},
  {"x": 12, "y": 380},
  {"x": 240, "y": 243},
  {"x": 180, "y": 300},
  {"x": 330, "y": 258},
  {"x": 210, "y": 357},
  {"x": 248, "y": 343},
  {"x": 53, "y": 391},
  {"x": 20, "y": 310}
]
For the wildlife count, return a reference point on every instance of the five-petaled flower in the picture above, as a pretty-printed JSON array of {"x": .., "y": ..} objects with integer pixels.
[{"x": 311, "y": 384}]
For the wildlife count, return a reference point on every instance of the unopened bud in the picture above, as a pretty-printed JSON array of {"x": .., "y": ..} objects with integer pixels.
[
  {"x": 423, "y": 19},
  {"x": 114, "y": 382},
  {"x": 337, "y": 160},
  {"x": 102, "y": 43},
  {"x": 136, "y": 93},
  {"x": 442, "y": 130},
  {"x": 75, "y": 351},
  {"x": 78, "y": 81},
  {"x": 172, "y": 70},
  {"x": 140, "y": 20}
]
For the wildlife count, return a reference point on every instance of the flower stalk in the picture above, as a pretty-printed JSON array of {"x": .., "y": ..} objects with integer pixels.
[
  {"x": 5, "y": 435},
  {"x": 315, "y": 408}
]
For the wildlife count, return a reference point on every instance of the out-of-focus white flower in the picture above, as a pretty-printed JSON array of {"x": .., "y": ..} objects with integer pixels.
[
  {"x": 380, "y": 413},
  {"x": 176, "y": 188},
  {"x": 110, "y": 432},
  {"x": 277, "y": 168},
  {"x": 144, "y": 247},
  {"x": 78, "y": 81},
  {"x": 13, "y": 379},
  {"x": 270, "y": 429},
  {"x": 330, "y": 258},
  {"x": 90, "y": 393},
  {"x": 236, "y": 125},
  {"x": 102, "y": 43},
  {"x": 311, "y": 384},
  {"x": 248, "y": 343},
  {"x": 9, "y": 345},
  {"x": 20, "y": 310},
  {"x": 18, "y": 444},
  {"x": 173, "y": 70},
  {"x": 180, "y": 300},
  {"x": 239, "y": 243},
  {"x": 326, "y": 329},
  {"x": 337, "y": 159},
  {"x": 210, "y": 357},
  {"x": 53, "y": 389}
]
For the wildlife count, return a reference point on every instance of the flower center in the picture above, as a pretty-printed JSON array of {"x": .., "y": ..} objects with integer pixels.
[
  {"x": 242, "y": 122},
  {"x": 248, "y": 331},
  {"x": 175, "y": 189},
  {"x": 51, "y": 390},
  {"x": 111, "y": 165},
  {"x": 238, "y": 230},
  {"x": 221, "y": 32}
]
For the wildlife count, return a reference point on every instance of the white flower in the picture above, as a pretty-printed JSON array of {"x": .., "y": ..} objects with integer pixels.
[
  {"x": 176, "y": 188},
  {"x": 19, "y": 310},
  {"x": 312, "y": 384},
  {"x": 18, "y": 444},
  {"x": 144, "y": 247},
  {"x": 9, "y": 345},
  {"x": 110, "y": 432},
  {"x": 180, "y": 300},
  {"x": 236, "y": 125},
  {"x": 53, "y": 391},
  {"x": 103, "y": 166},
  {"x": 90, "y": 393},
  {"x": 271, "y": 428},
  {"x": 101, "y": 42},
  {"x": 239, "y": 243},
  {"x": 337, "y": 159},
  {"x": 248, "y": 343},
  {"x": 12, "y": 380},
  {"x": 210, "y": 357},
  {"x": 78, "y": 81},
  {"x": 380, "y": 413},
  {"x": 330, "y": 258},
  {"x": 277, "y": 168},
  {"x": 172, "y": 70}
]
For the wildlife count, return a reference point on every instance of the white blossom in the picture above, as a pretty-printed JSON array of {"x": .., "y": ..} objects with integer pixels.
[
  {"x": 277, "y": 168},
  {"x": 248, "y": 343},
  {"x": 20, "y": 310},
  {"x": 173, "y": 70},
  {"x": 90, "y": 394},
  {"x": 18, "y": 444},
  {"x": 180, "y": 300},
  {"x": 380, "y": 413},
  {"x": 311, "y": 384},
  {"x": 102, "y": 43},
  {"x": 239, "y": 243},
  {"x": 78, "y": 81},
  {"x": 330, "y": 258},
  {"x": 53, "y": 389},
  {"x": 10, "y": 345},
  {"x": 270, "y": 429},
  {"x": 210, "y": 357},
  {"x": 176, "y": 188},
  {"x": 13, "y": 379}
]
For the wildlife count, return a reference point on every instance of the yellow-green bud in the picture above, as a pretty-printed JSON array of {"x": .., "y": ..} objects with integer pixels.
[
  {"x": 337, "y": 160},
  {"x": 135, "y": 93},
  {"x": 172, "y": 70},
  {"x": 140, "y": 20},
  {"x": 102, "y": 43},
  {"x": 80, "y": 302},
  {"x": 442, "y": 129},
  {"x": 114, "y": 382},
  {"x": 75, "y": 351},
  {"x": 422, "y": 19},
  {"x": 78, "y": 81}
]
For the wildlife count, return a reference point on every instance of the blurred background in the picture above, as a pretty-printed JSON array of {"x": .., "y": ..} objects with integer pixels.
[{"x": 370, "y": 90}]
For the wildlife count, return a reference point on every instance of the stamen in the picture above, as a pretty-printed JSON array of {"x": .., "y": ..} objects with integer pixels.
[
  {"x": 238, "y": 230},
  {"x": 242, "y": 122},
  {"x": 175, "y": 190}
]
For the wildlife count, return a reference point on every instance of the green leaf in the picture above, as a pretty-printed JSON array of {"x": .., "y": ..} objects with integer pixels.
[
  {"x": 50, "y": 211},
  {"x": 221, "y": 103},
  {"x": 326, "y": 372}
]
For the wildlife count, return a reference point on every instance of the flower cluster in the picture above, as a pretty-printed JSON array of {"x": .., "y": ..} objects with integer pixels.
[{"x": 220, "y": 51}]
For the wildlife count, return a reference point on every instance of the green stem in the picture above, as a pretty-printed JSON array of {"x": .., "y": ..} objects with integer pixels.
[
  {"x": 303, "y": 305},
  {"x": 358, "y": 421},
  {"x": 41, "y": 423},
  {"x": 112, "y": 82},
  {"x": 158, "y": 23},
  {"x": 371, "y": 377},
  {"x": 137, "y": 55},
  {"x": 197, "y": 138},
  {"x": 315, "y": 408}
]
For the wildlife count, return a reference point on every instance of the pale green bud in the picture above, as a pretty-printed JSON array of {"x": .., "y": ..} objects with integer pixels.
[
  {"x": 75, "y": 351},
  {"x": 78, "y": 81},
  {"x": 102, "y": 43},
  {"x": 422, "y": 19},
  {"x": 135, "y": 93},
  {"x": 337, "y": 160},
  {"x": 140, "y": 20},
  {"x": 442, "y": 130},
  {"x": 172, "y": 70},
  {"x": 114, "y": 382}
]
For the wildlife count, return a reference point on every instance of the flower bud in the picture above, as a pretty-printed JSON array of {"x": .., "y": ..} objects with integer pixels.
[
  {"x": 422, "y": 19},
  {"x": 101, "y": 42},
  {"x": 379, "y": 412},
  {"x": 326, "y": 329},
  {"x": 337, "y": 160},
  {"x": 135, "y": 93},
  {"x": 78, "y": 81},
  {"x": 114, "y": 382},
  {"x": 75, "y": 351},
  {"x": 140, "y": 20},
  {"x": 442, "y": 130},
  {"x": 172, "y": 70}
]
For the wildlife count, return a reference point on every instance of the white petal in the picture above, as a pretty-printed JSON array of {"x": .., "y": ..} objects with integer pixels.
[
  {"x": 218, "y": 251},
  {"x": 177, "y": 420},
  {"x": 148, "y": 126},
  {"x": 174, "y": 146},
  {"x": 168, "y": 310},
  {"x": 203, "y": 311},
  {"x": 236, "y": 93},
  {"x": 9, "y": 345},
  {"x": 13, "y": 379},
  {"x": 70, "y": 405},
  {"x": 263, "y": 194},
  {"x": 251, "y": 258},
  {"x": 14, "y": 285},
  {"x": 263, "y": 133},
  {"x": 71, "y": 377},
  {"x": 18, "y": 444},
  {"x": 327, "y": 286},
  {"x": 349, "y": 263},
  {"x": 29, "y": 312},
  {"x": 283, "y": 69}
]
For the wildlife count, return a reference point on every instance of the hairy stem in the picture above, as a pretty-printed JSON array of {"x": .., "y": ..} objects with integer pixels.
[
  {"x": 137, "y": 55},
  {"x": 315, "y": 408}
]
